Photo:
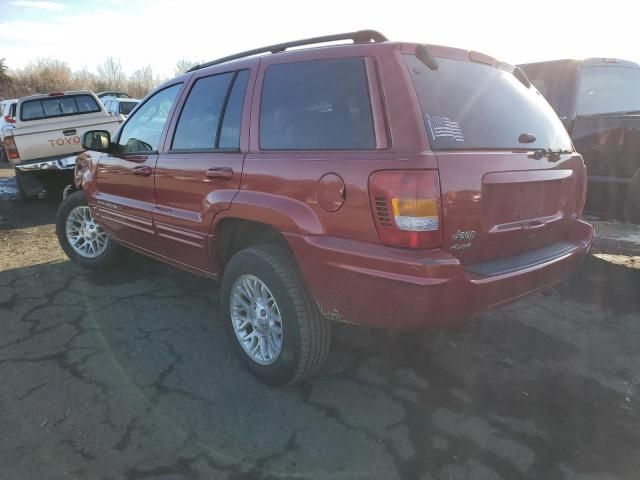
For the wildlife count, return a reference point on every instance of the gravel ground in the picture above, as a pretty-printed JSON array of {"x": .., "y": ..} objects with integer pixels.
[{"x": 127, "y": 374}]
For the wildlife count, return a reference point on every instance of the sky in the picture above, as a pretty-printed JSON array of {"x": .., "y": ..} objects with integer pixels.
[{"x": 160, "y": 32}]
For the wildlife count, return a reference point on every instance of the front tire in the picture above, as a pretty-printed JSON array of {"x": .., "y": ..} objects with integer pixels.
[
  {"x": 81, "y": 238},
  {"x": 273, "y": 322}
]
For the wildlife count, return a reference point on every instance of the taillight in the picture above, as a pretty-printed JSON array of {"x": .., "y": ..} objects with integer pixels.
[
  {"x": 10, "y": 148},
  {"x": 406, "y": 207},
  {"x": 9, "y": 119}
]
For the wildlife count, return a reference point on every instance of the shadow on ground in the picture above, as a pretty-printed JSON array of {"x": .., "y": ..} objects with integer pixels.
[{"x": 128, "y": 374}]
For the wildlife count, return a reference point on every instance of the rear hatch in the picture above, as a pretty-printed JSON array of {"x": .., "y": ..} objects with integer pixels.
[{"x": 503, "y": 191}]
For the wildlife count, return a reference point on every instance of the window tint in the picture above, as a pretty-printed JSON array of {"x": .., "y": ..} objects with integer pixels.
[
  {"x": 142, "y": 131},
  {"x": 319, "y": 104},
  {"x": 58, "y": 107},
  {"x": 200, "y": 115},
  {"x": 469, "y": 105},
  {"x": 230, "y": 131},
  {"x": 32, "y": 111},
  {"x": 126, "y": 107},
  {"x": 609, "y": 89}
]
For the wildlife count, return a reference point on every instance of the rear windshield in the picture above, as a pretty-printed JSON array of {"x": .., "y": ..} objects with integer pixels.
[
  {"x": 51, "y": 107},
  {"x": 126, "y": 107},
  {"x": 608, "y": 90},
  {"x": 469, "y": 105}
]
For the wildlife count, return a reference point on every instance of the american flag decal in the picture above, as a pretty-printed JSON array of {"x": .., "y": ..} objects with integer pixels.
[{"x": 444, "y": 127}]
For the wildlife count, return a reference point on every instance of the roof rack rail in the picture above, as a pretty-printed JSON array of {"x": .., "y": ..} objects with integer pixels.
[{"x": 362, "y": 36}]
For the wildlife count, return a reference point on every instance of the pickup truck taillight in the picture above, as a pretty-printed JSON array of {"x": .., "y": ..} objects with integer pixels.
[
  {"x": 9, "y": 119},
  {"x": 406, "y": 207},
  {"x": 10, "y": 148}
]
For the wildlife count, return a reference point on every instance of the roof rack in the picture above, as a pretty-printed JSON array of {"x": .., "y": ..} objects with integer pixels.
[{"x": 362, "y": 36}]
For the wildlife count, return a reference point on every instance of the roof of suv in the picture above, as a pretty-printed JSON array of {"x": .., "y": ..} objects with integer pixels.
[
  {"x": 359, "y": 37},
  {"x": 366, "y": 39}
]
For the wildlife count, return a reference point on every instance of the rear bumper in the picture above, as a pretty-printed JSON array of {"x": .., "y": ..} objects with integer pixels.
[
  {"x": 66, "y": 162},
  {"x": 374, "y": 285}
]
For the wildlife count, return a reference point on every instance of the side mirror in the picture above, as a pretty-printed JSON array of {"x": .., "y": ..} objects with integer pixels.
[{"x": 98, "y": 140}]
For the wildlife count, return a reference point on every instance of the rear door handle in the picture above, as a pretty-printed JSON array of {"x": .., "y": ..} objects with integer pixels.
[
  {"x": 69, "y": 132},
  {"x": 143, "y": 171},
  {"x": 225, "y": 173}
]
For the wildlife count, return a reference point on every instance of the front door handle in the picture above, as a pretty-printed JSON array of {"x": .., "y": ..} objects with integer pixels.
[
  {"x": 224, "y": 173},
  {"x": 143, "y": 171}
]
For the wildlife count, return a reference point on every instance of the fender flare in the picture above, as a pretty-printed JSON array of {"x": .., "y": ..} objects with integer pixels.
[{"x": 284, "y": 214}]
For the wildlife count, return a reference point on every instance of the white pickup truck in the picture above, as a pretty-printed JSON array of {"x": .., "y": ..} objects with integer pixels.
[{"x": 48, "y": 135}]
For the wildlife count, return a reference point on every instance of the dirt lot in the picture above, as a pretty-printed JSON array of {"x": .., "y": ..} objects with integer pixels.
[{"x": 127, "y": 374}]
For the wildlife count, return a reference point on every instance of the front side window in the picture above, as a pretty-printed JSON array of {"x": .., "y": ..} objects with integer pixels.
[
  {"x": 608, "y": 90},
  {"x": 142, "y": 131},
  {"x": 468, "y": 105},
  {"x": 316, "y": 105}
]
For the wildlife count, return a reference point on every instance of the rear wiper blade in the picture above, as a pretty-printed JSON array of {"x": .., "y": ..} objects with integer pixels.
[{"x": 552, "y": 154}]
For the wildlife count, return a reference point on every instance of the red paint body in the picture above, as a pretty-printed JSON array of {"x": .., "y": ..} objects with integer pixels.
[{"x": 513, "y": 202}]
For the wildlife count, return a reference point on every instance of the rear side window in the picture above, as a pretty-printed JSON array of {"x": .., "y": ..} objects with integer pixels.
[
  {"x": 316, "y": 105},
  {"x": 58, "y": 107},
  {"x": 230, "y": 129},
  {"x": 469, "y": 105},
  {"x": 210, "y": 118}
]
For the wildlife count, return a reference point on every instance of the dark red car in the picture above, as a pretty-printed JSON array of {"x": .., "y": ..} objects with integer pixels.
[{"x": 379, "y": 183}]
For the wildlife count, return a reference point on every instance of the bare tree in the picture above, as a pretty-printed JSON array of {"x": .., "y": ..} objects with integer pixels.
[
  {"x": 183, "y": 65},
  {"x": 84, "y": 79},
  {"x": 41, "y": 76},
  {"x": 47, "y": 75},
  {"x": 141, "y": 82},
  {"x": 110, "y": 73},
  {"x": 6, "y": 82}
]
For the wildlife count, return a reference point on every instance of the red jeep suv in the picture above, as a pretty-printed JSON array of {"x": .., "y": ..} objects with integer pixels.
[{"x": 386, "y": 184}]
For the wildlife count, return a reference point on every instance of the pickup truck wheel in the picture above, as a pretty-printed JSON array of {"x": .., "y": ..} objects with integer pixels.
[
  {"x": 81, "y": 238},
  {"x": 632, "y": 201},
  {"x": 273, "y": 322}
]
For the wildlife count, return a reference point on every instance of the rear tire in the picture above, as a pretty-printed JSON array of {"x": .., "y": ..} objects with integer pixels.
[
  {"x": 304, "y": 334},
  {"x": 92, "y": 249},
  {"x": 632, "y": 201}
]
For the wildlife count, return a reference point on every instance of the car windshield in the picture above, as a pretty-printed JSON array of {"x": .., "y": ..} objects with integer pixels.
[
  {"x": 609, "y": 89},
  {"x": 469, "y": 105}
]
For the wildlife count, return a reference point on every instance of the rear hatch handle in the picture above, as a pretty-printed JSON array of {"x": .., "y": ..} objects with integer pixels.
[{"x": 69, "y": 132}]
